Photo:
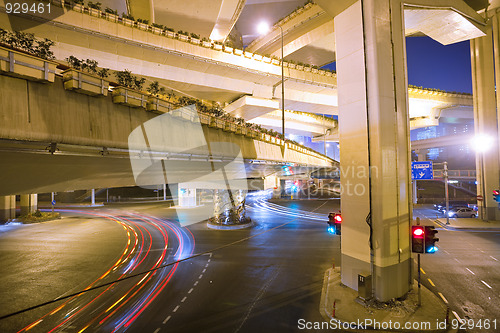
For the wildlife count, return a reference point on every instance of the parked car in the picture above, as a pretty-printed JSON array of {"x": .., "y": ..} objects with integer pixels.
[
  {"x": 452, "y": 204},
  {"x": 462, "y": 212}
]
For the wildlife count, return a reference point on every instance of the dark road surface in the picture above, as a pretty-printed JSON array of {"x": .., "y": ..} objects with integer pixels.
[{"x": 265, "y": 278}]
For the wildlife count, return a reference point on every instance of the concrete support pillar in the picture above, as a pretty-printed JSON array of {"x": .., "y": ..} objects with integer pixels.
[
  {"x": 29, "y": 203},
  {"x": 92, "y": 197},
  {"x": 164, "y": 192},
  {"x": 374, "y": 135},
  {"x": 7, "y": 208},
  {"x": 485, "y": 119}
]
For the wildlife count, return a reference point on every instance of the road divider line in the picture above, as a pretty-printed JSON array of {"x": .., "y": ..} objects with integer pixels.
[
  {"x": 487, "y": 285},
  {"x": 199, "y": 277},
  {"x": 176, "y": 308},
  {"x": 196, "y": 283},
  {"x": 184, "y": 299},
  {"x": 470, "y": 271},
  {"x": 444, "y": 299},
  {"x": 204, "y": 270},
  {"x": 422, "y": 270},
  {"x": 432, "y": 283},
  {"x": 166, "y": 319},
  {"x": 456, "y": 260},
  {"x": 493, "y": 258},
  {"x": 457, "y": 316},
  {"x": 157, "y": 330},
  {"x": 190, "y": 291}
]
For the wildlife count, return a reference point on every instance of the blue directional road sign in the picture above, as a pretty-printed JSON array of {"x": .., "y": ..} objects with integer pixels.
[{"x": 421, "y": 170}]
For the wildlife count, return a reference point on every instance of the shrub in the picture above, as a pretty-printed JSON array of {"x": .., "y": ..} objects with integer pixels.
[
  {"x": 127, "y": 16},
  {"x": 94, "y": 5},
  {"x": 111, "y": 11},
  {"x": 155, "y": 89}
]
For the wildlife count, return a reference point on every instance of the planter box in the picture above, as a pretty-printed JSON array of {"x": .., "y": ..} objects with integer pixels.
[
  {"x": 111, "y": 17},
  {"x": 25, "y": 66},
  {"x": 230, "y": 127},
  {"x": 156, "y": 30},
  {"x": 184, "y": 114},
  {"x": 299, "y": 67},
  {"x": 220, "y": 123},
  {"x": 77, "y": 7},
  {"x": 129, "y": 97},
  {"x": 184, "y": 38},
  {"x": 307, "y": 68},
  {"x": 257, "y": 57},
  {"x": 275, "y": 62},
  {"x": 314, "y": 70},
  {"x": 195, "y": 41},
  {"x": 218, "y": 47},
  {"x": 266, "y": 59},
  {"x": 243, "y": 130},
  {"x": 206, "y": 44},
  {"x": 170, "y": 34},
  {"x": 290, "y": 65},
  {"x": 157, "y": 104},
  {"x": 204, "y": 118},
  {"x": 248, "y": 54},
  {"x": 128, "y": 22},
  {"x": 254, "y": 134},
  {"x": 95, "y": 12},
  {"x": 228, "y": 49},
  {"x": 238, "y": 52},
  {"x": 85, "y": 83},
  {"x": 142, "y": 26}
]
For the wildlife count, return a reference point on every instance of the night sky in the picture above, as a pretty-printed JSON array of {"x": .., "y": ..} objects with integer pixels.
[{"x": 432, "y": 65}]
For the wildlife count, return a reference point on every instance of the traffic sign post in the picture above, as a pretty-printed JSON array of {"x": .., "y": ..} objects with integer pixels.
[{"x": 53, "y": 202}]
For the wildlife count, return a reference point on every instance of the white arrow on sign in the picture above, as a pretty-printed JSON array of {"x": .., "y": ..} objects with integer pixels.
[{"x": 422, "y": 174}]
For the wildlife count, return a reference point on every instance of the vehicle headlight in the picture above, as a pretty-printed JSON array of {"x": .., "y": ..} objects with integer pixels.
[{"x": 450, "y": 214}]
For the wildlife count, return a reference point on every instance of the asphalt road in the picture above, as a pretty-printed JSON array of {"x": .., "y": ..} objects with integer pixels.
[
  {"x": 265, "y": 278},
  {"x": 466, "y": 272}
]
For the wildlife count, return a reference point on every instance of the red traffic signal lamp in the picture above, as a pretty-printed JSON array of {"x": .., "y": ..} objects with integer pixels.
[
  {"x": 496, "y": 195},
  {"x": 337, "y": 218},
  {"x": 417, "y": 238}
]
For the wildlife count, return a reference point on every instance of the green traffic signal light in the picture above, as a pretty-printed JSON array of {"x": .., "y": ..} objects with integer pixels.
[{"x": 430, "y": 239}]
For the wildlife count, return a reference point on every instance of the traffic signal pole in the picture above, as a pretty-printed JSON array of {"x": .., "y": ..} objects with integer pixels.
[
  {"x": 418, "y": 268},
  {"x": 446, "y": 193}
]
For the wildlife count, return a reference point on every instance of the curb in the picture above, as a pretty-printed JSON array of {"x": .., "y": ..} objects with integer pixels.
[
  {"x": 230, "y": 227},
  {"x": 448, "y": 227}
]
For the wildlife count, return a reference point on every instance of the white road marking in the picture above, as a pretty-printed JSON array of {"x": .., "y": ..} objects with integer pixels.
[
  {"x": 456, "y": 260},
  {"x": 470, "y": 271},
  {"x": 157, "y": 330},
  {"x": 493, "y": 258},
  {"x": 209, "y": 259},
  {"x": 166, "y": 319},
  {"x": 487, "y": 285},
  {"x": 446, "y": 252},
  {"x": 444, "y": 299},
  {"x": 204, "y": 270},
  {"x": 195, "y": 283},
  {"x": 457, "y": 316},
  {"x": 176, "y": 308},
  {"x": 199, "y": 277},
  {"x": 184, "y": 299},
  {"x": 190, "y": 291},
  {"x": 206, "y": 265}
]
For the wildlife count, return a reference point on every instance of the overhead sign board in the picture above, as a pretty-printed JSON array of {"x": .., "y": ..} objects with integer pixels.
[{"x": 421, "y": 170}]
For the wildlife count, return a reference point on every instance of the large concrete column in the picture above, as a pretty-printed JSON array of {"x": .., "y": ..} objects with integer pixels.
[
  {"x": 374, "y": 135},
  {"x": 7, "y": 208},
  {"x": 485, "y": 121},
  {"x": 29, "y": 203}
]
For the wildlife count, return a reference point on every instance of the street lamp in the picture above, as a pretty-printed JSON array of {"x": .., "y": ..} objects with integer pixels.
[
  {"x": 263, "y": 28},
  {"x": 481, "y": 143}
]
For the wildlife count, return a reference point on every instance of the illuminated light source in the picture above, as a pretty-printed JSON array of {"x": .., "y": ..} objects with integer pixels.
[
  {"x": 215, "y": 35},
  {"x": 482, "y": 142},
  {"x": 419, "y": 232},
  {"x": 263, "y": 28}
]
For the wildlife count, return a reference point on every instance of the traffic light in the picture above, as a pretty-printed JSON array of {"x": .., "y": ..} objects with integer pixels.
[
  {"x": 337, "y": 218},
  {"x": 496, "y": 195},
  {"x": 430, "y": 239},
  {"x": 417, "y": 239}
]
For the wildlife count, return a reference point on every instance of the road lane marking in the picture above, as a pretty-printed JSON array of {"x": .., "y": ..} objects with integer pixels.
[
  {"x": 190, "y": 291},
  {"x": 195, "y": 283},
  {"x": 446, "y": 252},
  {"x": 166, "y": 319},
  {"x": 456, "y": 260},
  {"x": 487, "y": 285},
  {"x": 457, "y": 316},
  {"x": 444, "y": 299},
  {"x": 199, "y": 277},
  {"x": 422, "y": 270},
  {"x": 176, "y": 308},
  {"x": 432, "y": 283},
  {"x": 493, "y": 258},
  {"x": 184, "y": 299},
  {"x": 157, "y": 330},
  {"x": 470, "y": 271},
  {"x": 206, "y": 265},
  {"x": 204, "y": 270}
]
